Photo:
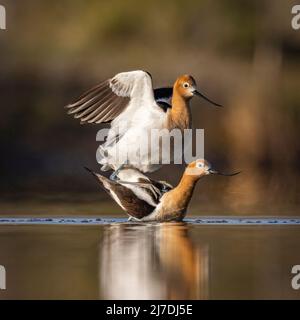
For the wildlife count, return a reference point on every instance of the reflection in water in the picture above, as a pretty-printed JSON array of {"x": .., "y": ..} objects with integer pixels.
[
  {"x": 152, "y": 262},
  {"x": 149, "y": 261}
]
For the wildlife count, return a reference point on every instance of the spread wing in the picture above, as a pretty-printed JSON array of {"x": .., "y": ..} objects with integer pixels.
[
  {"x": 109, "y": 99},
  {"x": 113, "y": 97}
]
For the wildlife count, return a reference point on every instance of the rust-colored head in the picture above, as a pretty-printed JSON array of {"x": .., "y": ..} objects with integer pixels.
[
  {"x": 198, "y": 168},
  {"x": 186, "y": 87},
  {"x": 201, "y": 167}
]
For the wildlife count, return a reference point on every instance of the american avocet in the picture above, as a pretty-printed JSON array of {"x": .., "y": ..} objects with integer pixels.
[
  {"x": 163, "y": 274},
  {"x": 142, "y": 202},
  {"x": 129, "y": 102}
]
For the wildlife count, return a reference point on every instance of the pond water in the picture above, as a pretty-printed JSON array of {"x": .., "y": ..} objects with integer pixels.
[{"x": 113, "y": 259}]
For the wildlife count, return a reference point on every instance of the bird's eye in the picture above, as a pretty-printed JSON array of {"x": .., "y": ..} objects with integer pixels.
[
  {"x": 200, "y": 165},
  {"x": 186, "y": 85}
]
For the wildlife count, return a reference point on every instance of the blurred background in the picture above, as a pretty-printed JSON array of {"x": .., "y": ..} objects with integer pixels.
[{"x": 243, "y": 54}]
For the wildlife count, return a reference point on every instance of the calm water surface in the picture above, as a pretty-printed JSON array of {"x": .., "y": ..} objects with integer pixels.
[{"x": 160, "y": 261}]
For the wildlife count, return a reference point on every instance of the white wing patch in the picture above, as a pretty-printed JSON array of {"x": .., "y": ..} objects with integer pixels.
[
  {"x": 134, "y": 84},
  {"x": 114, "y": 196},
  {"x": 134, "y": 124}
]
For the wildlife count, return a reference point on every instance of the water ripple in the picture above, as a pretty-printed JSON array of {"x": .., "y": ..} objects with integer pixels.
[{"x": 195, "y": 220}]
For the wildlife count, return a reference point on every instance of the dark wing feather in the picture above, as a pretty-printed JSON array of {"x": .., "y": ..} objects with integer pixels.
[
  {"x": 164, "y": 105},
  {"x": 133, "y": 205},
  {"x": 163, "y": 94},
  {"x": 98, "y": 105},
  {"x": 163, "y": 97},
  {"x": 157, "y": 187},
  {"x": 154, "y": 189},
  {"x": 163, "y": 186}
]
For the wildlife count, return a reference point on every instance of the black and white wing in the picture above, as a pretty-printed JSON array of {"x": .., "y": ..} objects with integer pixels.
[
  {"x": 163, "y": 94},
  {"x": 163, "y": 97},
  {"x": 123, "y": 93},
  {"x": 125, "y": 197}
]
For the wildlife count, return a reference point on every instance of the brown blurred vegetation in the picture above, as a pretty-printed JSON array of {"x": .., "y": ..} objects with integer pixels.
[{"x": 243, "y": 54}]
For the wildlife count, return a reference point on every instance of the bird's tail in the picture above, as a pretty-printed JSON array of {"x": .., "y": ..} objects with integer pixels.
[
  {"x": 100, "y": 178},
  {"x": 91, "y": 171}
]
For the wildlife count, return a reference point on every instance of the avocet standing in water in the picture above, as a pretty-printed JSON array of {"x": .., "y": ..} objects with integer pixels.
[
  {"x": 129, "y": 102},
  {"x": 142, "y": 202}
]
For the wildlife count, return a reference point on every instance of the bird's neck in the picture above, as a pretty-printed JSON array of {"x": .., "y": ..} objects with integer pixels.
[
  {"x": 176, "y": 201},
  {"x": 185, "y": 189},
  {"x": 180, "y": 114}
]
